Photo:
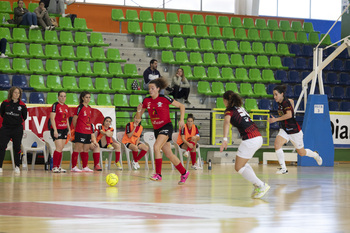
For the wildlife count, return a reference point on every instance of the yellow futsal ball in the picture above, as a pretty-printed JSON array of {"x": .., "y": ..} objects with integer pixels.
[{"x": 112, "y": 179}]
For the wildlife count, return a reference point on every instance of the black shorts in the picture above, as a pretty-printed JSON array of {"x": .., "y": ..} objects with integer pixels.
[
  {"x": 165, "y": 130},
  {"x": 82, "y": 138},
  {"x": 99, "y": 142},
  {"x": 128, "y": 144},
  {"x": 62, "y": 134}
]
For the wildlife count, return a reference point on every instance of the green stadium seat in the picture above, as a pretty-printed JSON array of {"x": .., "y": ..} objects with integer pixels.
[
  {"x": 118, "y": 85},
  {"x": 67, "y": 52},
  {"x": 202, "y": 32},
  {"x": 258, "y": 48},
  {"x": 66, "y": 37},
  {"x": 185, "y": 18},
  {"x": 283, "y": 50},
  {"x": 241, "y": 75},
  {"x": 232, "y": 47},
  {"x": 250, "y": 104},
  {"x": 81, "y": 38},
  {"x": 277, "y": 36},
  {"x": 171, "y": 18},
  {"x": 54, "y": 83},
  {"x": 116, "y": 70},
  {"x": 84, "y": 68},
  {"x": 248, "y": 23},
  {"x": 19, "y": 35},
  {"x": 83, "y": 53},
  {"x": 130, "y": 70},
  {"x": 260, "y": 91},
  {"x": 64, "y": 24},
  {"x": 253, "y": 34},
  {"x": 308, "y": 27},
  {"x": 327, "y": 41},
  {"x": 199, "y": 73},
  {"x": 276, "y": 63},
  {"x": 227, "y": 33},
  {"x": 188, "y": 31},
  {"x": 117, "y": 15},
  {"x": 68, "y": 67},
  {"x": 96, "y": 39},
  {"x": 8, "y": 50},
  {"x": 51, "y": 37},
  {"x": 260, "y": 24},
  {"x": 181, "y": 58},
  {"x": 151, "y": 42},
  {"x": 214, "y": 74},
  {"x": 197, "y": 20},
  {"x": 5, "y": 66},
  {"x": 296, "y": 26},
  {"x": 219, "y": 46},
  {"x": 187, "y": 72},
  {"x": 272, "y": 25},
  {"x": 80, "y": 24},
  {"x": 85, "y": 84},
  {"x": 224, "y": 21},
  {"x": 263, "y": 62},
  {"x": 104, "y": 100},
  {"x": 217, "y": 89},
  {"x": 313, "y": 38},
  {"x": 270, "y": 49},
  {"x": 20, "y": 50},
  {"x": 122, "y": 118},
  {"x": 35, "y": 50},
  {"x": 161, "y": 29},
  {"x": 227, "y": 74},
  {"x": 215, "y": 33},
  {"x": 246, "y": 90},
  {"x": 53, "y": 67},
  {"x": 100, "y": 69},
  {"x": 223, "y": 60},
  {"x": 131, "y": 15},
  {"x": 145, "y": 16},
  {"x": 268, "y": 77},
  {"x": 129, "y": 87},
  {"x": 241, "y": 34},
  {"x": 236, "y": 60},
  {"x": 35, "y": 36},
  {"x": 113, "y": 55},
  {"x": 134, "y": 28},
  {"x": 72, "y": 99},
  {"x": 265, "y": 35},
  {"x": 5, "y": 33},
  {"x": 6, "y": 23},
  {"x": 254, "y": 75},
  {"x": 19, "y": 65},
  {"x": 36, "y": 67},
  {"x": 148, "y": 29},
  {"x": 164, "y": 43},
  {"x": 302, "y": 38},
  {"x": 5, "y": 6},
  {"x": 175, "y": 30},
  {"x": 285, "y": 25},
  {"x": 220, "y": 103},
  {"x": 70, "y": 83},
  {"x": 98, "y": 54},
  {"x": 289, "y": 37},
  {"x": 196, "y": 58},
  {"x": 208, "y": 60},
  {"x": 158, "y": 17},
  {"x": 120, "y": 100},
  {"x": 204, "y": 88},
  {"x": 51, "y": 98},
  {"x": 205, "y": 45},
  {"x": 249, "y": 61},
  {"x": 210, "y": 20},
  {"x": 135, "y": 100},
  {"x": 192, "y": 44},
  {"x": 236, "y": 22},
  {"x": 37, "y": 82},
  {"x": 92, "y": 100},
  {"x": 231, "y": 87},
  {"x": 245, "y": 48},
  {"x": 51, "y": 51}
]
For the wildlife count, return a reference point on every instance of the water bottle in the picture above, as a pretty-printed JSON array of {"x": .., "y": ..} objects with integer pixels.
[
  {"x": 106, "y": 164},
  {"x": 47, "y": 165},
  {"x": 209, "y": 164},
  {"x": 3, "y": 19}
]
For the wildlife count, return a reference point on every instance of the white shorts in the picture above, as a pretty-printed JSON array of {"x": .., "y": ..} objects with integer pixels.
[
  {"x": 248, "y": 147},
  {"x": 295, "y": 138}
]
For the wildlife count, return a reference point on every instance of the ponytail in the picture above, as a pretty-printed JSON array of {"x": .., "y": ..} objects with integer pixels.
[
  {"x": 234, "y": 100},
  {"x": 160, "y": 83}
]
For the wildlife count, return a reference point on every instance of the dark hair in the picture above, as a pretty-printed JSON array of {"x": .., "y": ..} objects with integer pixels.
[
  {"x": 60, "y": 93},
  {"x": 41, "y": 1},
  {"x": 190, "y": 116},
  {"x": 82, "y": 95},
  {"x": 159, "y": 82},
  {"x": 152, "y": 61},
  {"x": 10, "y": 93},
  {"x": 234, "y": 100},
  {"x": 107, "y": 117},
  {"x": 281, "y": 89}
]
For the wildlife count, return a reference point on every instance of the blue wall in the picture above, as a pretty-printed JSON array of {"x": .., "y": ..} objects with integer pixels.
[{"x": 324, "y": 25}]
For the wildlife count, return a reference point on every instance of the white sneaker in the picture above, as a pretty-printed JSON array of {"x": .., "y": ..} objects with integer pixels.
[
  {"x": 32, "y": 27},
  {"x": 36, "y": 26},
  {"x": 318, "y": 159},
  {"x": 56, "y": 170},
  {"x": 185, "y": 154},
  {"x": 196, "y": 167},
  {"x": 0, "y": 169},
  {"x": 87, "y": 169},
  {"x": 17, "y": 170},
  {"x": 282, "y": 171},
  {"x": 65, "y": 15},
  {"x": 52, "y": 27},
  {"x": 134, "y": 165},
  {"x": 3, "y": 56},
  {"x": 62, "y": 170},
  {"x": 259, "y": 192},
  {"x": 75, "y": 169},
  {"x": 138, "y": 165}
]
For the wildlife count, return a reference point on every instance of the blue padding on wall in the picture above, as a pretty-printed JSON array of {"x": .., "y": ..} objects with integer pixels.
[{"x": 323, "y": 26}]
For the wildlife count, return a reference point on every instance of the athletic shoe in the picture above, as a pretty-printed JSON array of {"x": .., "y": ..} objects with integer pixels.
[
  {"x": 56, "y": 170},
  {"x": 62, "y": 170},
  {"x": 118, "y": 165},
  {"x": 3, "y": 56},
  {"x": 135, "y": 165},
  {"x": 47, "y": 28},
  {"x": 156, "y": 177},
  {"x": 0, "y": 169},
  {"x": 282, "y": 171},
  {"x": 259, "y": 192},
  {"x": 318, "y": 159},
  {"x": 98, "y": 168},
  {"x": 52, "y": 28},
  {"x": 195, "y": 166},
  {"x": 185, "y": 154},
  {"x": 110, "y": 146},
  {"x": 17, "y": 170},
  {"x": 138, "y": 165},
  {"x": 87, "y": 169},
  {"x": 65, "y": 15},
  {"x": 32, "y": 27},
  {"x": 75, "y": 169},
  {"x": 184, "y": 178}
]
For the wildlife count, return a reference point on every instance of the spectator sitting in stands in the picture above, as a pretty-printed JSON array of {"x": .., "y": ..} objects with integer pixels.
[
  {"x": 43, "y": 16},
  {"x": 180, "y": 86},
  {"x": 24, "y": 17},
  {"x": 3, "y": 42},
  {"x": 58, "y": 6}
]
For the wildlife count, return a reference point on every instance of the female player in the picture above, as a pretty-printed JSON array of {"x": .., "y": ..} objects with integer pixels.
[
  {"x": 14, "y": 113},
  {"x": 84, "y": 136},
  {"x": 251, "y": 140},
  {"x": 59, "y": 129},
  {"x": 290, "y": 130},
  {"x": 105, "y": 139},
  {"x": 188, "y": 138},
  {"x": 158, "y": 109}
]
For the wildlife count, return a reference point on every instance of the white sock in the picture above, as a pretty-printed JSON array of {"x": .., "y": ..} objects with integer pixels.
[
  {"x": 280, "y": 157},
  {"x": 248, "y": 173},
  {"x": 310, "y": 153}
]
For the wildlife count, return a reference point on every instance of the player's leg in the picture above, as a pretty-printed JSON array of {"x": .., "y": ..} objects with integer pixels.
[
  {"x": 298, "y": 142},
  {"x": 281, "y": 139}
]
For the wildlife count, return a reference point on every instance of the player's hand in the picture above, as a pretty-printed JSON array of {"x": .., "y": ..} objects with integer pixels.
[
  {"x": 223, "y": 146},
  {"x": 190, "y": 145},
  {"x": 55, "y": 134},
  {"x": 139, "y": 107},
  {"x": 272, "y": 119},
  {"x": 109, "y": 133},
  {"x": 181, "y": 124},
  {"x": 95, "y": 144}
]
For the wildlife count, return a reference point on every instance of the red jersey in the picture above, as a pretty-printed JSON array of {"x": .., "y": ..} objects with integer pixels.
[
  {"x": 290, "y": 125},
  {"x": 61, "y": 118},
  {"x": 241, "y": 120},
  {"x": 158, "y": 110},
  {"x": 84, "y": 119}
]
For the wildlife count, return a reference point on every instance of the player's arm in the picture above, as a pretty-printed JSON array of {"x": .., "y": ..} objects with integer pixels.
[
  {"x": 53, "y": 124},
  {"x": 226, "y": 130},
  {"x": 74, "y": 121},
  {"x": 93, "y": 140},
  {"x": 140, "y": 111},
  {"x": 129, "y": 132},
  {"x": 182, "y": 112}
]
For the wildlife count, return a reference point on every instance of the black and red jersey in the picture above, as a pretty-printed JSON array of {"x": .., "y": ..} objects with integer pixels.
[
  {"x": 290, "y": 125},
  {"x": 61, "y": 118},
  {"x": 158, "y": 110},
  {"x": 13, "y": 114},
  {"x": 241, "y": 120},
  {"x": 84, "y": 119}
]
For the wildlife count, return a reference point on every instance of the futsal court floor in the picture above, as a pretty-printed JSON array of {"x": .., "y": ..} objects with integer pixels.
[{"x": 308, "y": 199}]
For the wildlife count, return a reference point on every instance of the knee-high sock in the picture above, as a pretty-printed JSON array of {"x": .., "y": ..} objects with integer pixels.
[
  {"x": 311, "y": 153},
  {"x": 188, "y": 148},
  {"x": 117, "y": 156},
  {"x": 248, "y": 173},
  {"x": 159, "y": 166},
  {"x": 56, "y": 159},
  {"x": 84, "y": 158},
  {"x": 193, "y": 157},
  {"x": 141, "y": 154},
  {"x": 280, "y": 157},
  {"x": 75, "y": 158},
  {"x": 180, "y": 168},
  {"x": 134, "y": 155},
  {"x": 60, "y": 160},
  {"x": 96, "y": 157}
]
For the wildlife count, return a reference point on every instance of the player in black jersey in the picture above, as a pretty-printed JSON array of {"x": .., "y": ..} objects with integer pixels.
[
  {"x": 290, "y": 129},
  {"x": 251, "y": 140}
]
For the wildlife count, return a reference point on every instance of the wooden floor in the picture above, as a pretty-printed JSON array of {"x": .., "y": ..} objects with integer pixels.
[{"x": 308, "y": 199}]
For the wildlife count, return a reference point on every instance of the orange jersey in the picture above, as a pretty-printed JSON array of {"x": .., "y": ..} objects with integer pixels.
[
  {"x": 188, "y": 133},
  {"x": 136, "y": 135},
  {"x": 100, "y": 135}
]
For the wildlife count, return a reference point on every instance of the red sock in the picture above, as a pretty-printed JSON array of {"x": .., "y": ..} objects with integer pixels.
[
  {"x": 60, "y": 159},
  {"x": 189, "y": 149},
  {"x": 159, "y": 166},
  {"x": 84, "y": 158},
  {"x": 193, "y": 157},
  {"x": 142, "y": 153},
  {"x": 134, "y": 155},
  {"x": 180, "y": 168},
  {"x": 117, "y": 156},
  {"x": 75, "y": 158},
  {"x": 96, "y": 157},
  {"x": 56, "y": 158}
]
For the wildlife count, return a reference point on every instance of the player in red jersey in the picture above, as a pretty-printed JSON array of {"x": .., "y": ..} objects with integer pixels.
[
  {"x": 237, "y": 116},
  {"x": 290, "y": 130},
  {"x": 84, "y": 136},
  {"x": 158, "y": 109},
  {"x": 59, "y": 129}
]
